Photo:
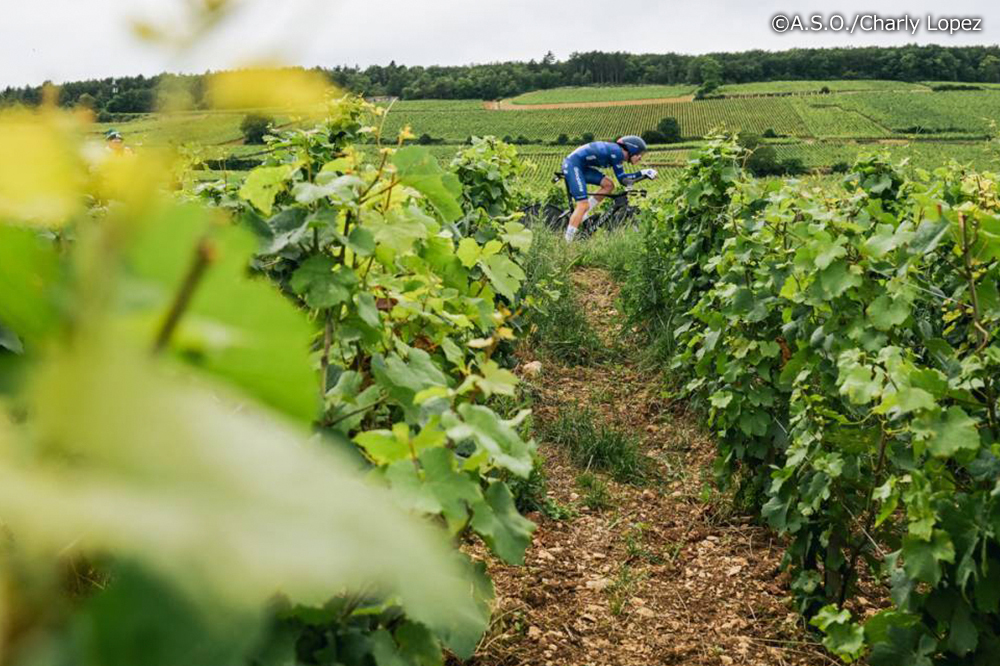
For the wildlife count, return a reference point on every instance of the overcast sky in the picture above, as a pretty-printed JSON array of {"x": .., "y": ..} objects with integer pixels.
[{"x": 65, "y": 40}]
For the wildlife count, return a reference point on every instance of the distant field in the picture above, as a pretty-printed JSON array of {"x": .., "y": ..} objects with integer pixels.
[
  {"x": 816, "y": 86},
  {"x": 601, "y": 94},
  {"x": 417, "y": 105},
  {"x": 820, "y": 130},
  {"x": 968, "y": 112},
  {"x": 696, "y": 120},
  {"x": 925, "y": 155},
  {"x": 828, "y": 119},
  {"x": 208, "y": 128},
  {"x": 987, "y": 86}
]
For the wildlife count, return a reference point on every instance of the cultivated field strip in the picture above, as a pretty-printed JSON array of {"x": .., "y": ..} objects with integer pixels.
[
  {"x": 815, "y": 86},
  {"x": 601, "y": 94},
  {"x": 696, "y": 119},
  {"x": 967, "y": 112}
]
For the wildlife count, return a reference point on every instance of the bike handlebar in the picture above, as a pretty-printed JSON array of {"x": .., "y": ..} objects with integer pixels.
[{"x": 559, "y": 175}]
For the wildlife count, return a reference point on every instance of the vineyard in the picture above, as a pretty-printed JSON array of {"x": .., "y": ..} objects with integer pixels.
[
  {"x": 940, "y": 113},
  {"x": 823, "y": 131},
  {"x": 834, "y": 121},
  {"x": 601, "y": 94},
  {"x": 351, "y": 407},
  {"x": 696, "y": 119},
  {"x": 764, "y": 87},
  {"x": 206, "y": 372},
  {"x": 845, "y": 352}
]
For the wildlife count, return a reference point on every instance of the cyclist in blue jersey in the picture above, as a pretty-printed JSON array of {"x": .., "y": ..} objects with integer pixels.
[{"x": 581, "y": 169}]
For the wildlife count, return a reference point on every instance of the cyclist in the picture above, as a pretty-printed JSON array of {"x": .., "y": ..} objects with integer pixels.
[
  {"x": 580, "y": 168},
  {"x": 116, "y": 143}
]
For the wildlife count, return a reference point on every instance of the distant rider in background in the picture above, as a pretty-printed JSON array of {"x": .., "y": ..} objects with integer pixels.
[
  {"x": 115, "y": 143},
  {"x": 581, "y": 169}
]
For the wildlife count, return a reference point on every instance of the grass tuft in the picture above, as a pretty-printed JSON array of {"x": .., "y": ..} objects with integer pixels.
[
  {"x": 596, "y": 495},
  {"x": 596, "y": 445},
  {"x": 557, "y": 324}
]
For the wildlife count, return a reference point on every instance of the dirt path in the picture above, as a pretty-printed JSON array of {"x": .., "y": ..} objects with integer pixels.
[{"x": 664, "y": 576}]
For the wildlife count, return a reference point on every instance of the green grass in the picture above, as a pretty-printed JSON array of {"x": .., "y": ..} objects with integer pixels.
[
  {"x": 594, "y": 445},
  {"x": 623, "y": 587},
  {"x": 763, "y": 87},
  {"x": 921, "y": 154},
  {"x": 531, "y": 494},
  {"x": 636, "y": 548},
  {"x": 596, "y": 494},
  {"x": 614, "y": 251},
  {"x": 557, "y": 325},
  {"x": 602, "y": 94},
  {"x": 208, "y": 128},
  {"x": 425, "y": 105}
]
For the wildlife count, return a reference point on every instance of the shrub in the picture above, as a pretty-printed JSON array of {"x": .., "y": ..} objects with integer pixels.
[
  {"x": 254, "y": 127},
  {"x": 669, "y": 129},
  {"x": 792, "y": 166},
  {"x": 653, "y": 136},
  {"x": 763, "y": 159}
]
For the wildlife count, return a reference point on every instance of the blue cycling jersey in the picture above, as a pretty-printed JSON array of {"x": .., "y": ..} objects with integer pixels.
[{"x": 603, "y": 154}]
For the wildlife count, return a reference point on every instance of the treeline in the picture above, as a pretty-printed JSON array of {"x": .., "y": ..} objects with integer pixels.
[{"x": 970, "y": 64}]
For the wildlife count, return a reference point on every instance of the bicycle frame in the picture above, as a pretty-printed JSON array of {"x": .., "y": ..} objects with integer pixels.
[{"x": 620, "y": 197}]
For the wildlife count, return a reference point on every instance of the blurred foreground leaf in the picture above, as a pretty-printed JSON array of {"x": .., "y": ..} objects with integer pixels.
[
  {"x": 268, "y": 87},
  {"x": 234, "y": 507},
  {"x": 235, "y": 326},
  {"x": 40, "y": 173}
]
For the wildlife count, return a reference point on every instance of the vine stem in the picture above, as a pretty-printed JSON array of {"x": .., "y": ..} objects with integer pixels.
[
  {"x": 392, "y": 183},
  {"x": 325, "y": 359},
  {"x": 869, "y": 521},
  {"x": 984, "y": 335},
  {"x": 204, "y": 255}
]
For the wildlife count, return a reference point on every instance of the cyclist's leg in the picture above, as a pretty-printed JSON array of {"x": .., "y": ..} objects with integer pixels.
[
  {"x": 577, "y": 186},
  {"x": 595, "y": 177},
  {"x": 605, "y": 187}
]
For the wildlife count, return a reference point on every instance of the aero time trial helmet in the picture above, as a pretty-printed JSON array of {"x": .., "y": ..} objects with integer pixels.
[{"x": 633, "y": 144}]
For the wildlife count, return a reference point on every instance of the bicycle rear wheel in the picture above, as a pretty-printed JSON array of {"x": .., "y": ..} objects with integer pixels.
[{"x": 554, "y": 217}]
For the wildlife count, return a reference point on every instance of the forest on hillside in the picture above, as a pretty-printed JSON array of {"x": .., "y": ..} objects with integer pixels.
[{"x": 973, "y": 64}]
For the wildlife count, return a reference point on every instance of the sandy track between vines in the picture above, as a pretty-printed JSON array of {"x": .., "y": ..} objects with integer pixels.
[{"x": 704, "y": 587}]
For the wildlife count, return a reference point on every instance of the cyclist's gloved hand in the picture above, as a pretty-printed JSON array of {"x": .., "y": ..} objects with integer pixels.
[{"x": 649, "y": 173}]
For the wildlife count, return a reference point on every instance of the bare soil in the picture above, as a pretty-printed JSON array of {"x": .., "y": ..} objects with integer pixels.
[{"x": 668, "y": 575}]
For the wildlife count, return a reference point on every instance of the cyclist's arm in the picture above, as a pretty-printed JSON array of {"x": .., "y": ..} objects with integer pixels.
[{"x": 627, "y": 178}]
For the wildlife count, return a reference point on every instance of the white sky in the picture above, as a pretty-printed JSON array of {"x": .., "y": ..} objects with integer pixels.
[{"x": 65, "y": 40}]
